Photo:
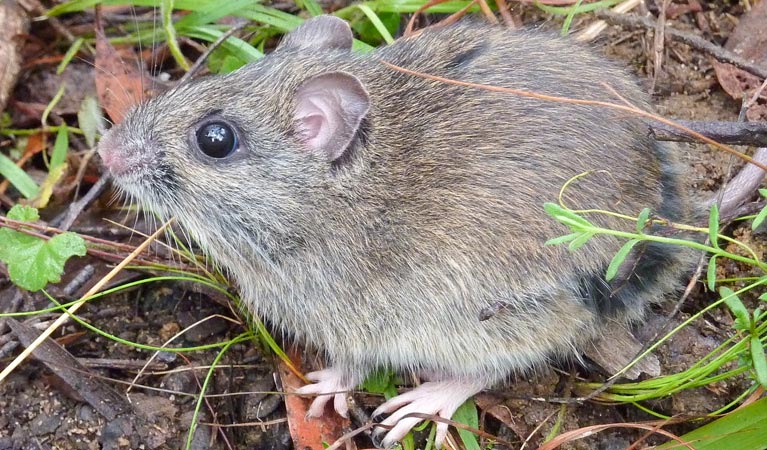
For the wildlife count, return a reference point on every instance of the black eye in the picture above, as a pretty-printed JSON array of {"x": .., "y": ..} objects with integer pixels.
[{"x": 217, "y": 139}]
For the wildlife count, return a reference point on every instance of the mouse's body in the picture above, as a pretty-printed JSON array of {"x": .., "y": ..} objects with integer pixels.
[{"x": 378, "y": 215}]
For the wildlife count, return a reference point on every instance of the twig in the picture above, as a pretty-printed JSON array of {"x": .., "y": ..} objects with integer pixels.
[
  {"x": 731, "y": 133},
  {"x": 65, "y": 220},
  {"x": 720, "y": 53}
]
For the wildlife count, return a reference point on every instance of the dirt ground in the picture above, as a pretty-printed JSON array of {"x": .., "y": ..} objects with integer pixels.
[{"x": 40, "y": 411}]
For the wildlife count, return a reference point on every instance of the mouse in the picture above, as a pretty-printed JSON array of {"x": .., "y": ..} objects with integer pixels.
[{"x": 378, "y": 216}]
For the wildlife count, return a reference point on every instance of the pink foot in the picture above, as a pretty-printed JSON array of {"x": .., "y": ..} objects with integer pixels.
[
  {"x": 328, "y": 383},
  {"x": 439, "y": 398}
]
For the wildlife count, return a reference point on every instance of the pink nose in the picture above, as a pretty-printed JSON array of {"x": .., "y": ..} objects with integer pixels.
[{"x": 112, "y": 154}]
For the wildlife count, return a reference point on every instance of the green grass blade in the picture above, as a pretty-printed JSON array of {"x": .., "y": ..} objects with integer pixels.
[
  {"x": 743, "y": 429},
  {"x": 70, "y": 7},
  {"x": 60, "y": 148},
  {"x": 311, "y": 6},
  {"x": 377, "y": 23},
  {"x": 213, "y": 12},
  {"x": 18, "y": 178},
  {"x": 170, "y": 34},
  {"x": 233, "y": 45},
  {"x": 73, "y": 49}
]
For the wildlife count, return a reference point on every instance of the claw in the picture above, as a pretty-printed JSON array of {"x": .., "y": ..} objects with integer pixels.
[{"x": 441, "y": 398}]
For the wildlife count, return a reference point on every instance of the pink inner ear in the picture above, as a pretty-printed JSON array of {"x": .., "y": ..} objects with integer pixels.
[
  {"x": 310, "y": 128},
  {"x": 329, "y": 109},
  {"x": 317, "y": 119}
]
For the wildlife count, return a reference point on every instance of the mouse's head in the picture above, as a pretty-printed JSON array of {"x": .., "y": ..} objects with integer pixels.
[{"x": 246, "y": 153}]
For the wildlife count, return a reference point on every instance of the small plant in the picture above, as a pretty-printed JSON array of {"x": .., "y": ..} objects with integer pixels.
[
  {"x": 742, "y": 353},
  {"x": 33, "y": 261}
]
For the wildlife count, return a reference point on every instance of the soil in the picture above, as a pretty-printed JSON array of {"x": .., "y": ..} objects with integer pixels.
[{"x": 42, "y": 411}]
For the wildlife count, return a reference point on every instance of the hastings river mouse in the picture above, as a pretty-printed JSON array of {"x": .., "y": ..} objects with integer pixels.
[{"x": 378, "y": 215}]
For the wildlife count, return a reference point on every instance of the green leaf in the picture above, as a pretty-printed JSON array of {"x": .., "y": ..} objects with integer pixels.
[
  {"x": 90, "y": 119},
  {"x": 60, "y": 147},
  {"x": 644, "y": 216},
  {"x": 742, "y": 319},
  {"x": 763, "y": 192},
  {"x": 711, "y": 273},
  {"x": 34, "y": 262},
  {"x": 742, "y": 429},
  {"x": 18, "y": 178},
  {"x": 23, "y": 213},
  {"x": 578, "y": 242},
  {"x": 562, "y": 239},
  {"x": 713, "y": 226},
  {"x": 759, "y": 219},
  {"x": 759, "y": 360},
  {"x": 618, "y": 259},
  {"x": 467, "y": 415},
  {"x": 381, "y": 382},
  {"x": 230, "y": 64},
  {"x": 73, "y": 49},
  {"x": 567, "y": 217}
]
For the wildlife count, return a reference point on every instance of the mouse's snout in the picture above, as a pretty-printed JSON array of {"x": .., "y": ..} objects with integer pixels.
[{"x": 122, "y": 156}]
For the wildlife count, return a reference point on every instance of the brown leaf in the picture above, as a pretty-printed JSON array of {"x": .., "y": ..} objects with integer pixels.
[
  {"x": 119, "y": 83},
  {"x": 749, "y": 40},
  {"x": 307, "y": 433}
]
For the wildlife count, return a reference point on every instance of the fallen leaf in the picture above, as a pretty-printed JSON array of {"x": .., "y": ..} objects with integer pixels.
[
  {"x": 119, "y": 83},
  {"x": 307, "y": 433},
  {"x": 748, "y": 40}
]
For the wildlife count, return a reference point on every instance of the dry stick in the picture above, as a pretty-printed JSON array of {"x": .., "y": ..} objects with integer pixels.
[
  {"x": 731, "y": 133},
  {"x": 658, "y": 42},
  {"x": 65, "y": 220},
  {"x": 720, "y": 53},
  {"x": 552, "y": 98},
  {"x": 503, "y": 8},
  {"x": 72, "y": 309}
]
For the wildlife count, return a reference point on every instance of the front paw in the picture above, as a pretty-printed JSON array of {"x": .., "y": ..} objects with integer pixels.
[{"x": 328, "y": 383}]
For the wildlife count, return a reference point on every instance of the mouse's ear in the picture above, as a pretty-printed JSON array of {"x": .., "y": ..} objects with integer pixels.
[
  {"x": 318, "y": 33},
  {"x": 329, "y": 110}
]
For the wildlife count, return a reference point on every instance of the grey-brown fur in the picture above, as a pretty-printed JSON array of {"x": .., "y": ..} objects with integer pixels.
[{"x": 389, "y": 255}]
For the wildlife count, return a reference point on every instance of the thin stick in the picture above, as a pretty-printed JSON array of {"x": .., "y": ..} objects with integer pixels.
[{"x": 72, "y": 309}]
